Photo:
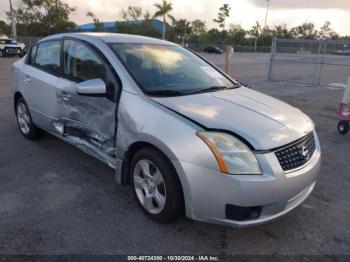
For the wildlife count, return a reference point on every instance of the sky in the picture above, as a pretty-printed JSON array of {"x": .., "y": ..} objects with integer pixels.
[{"x": 243, "y": 12}]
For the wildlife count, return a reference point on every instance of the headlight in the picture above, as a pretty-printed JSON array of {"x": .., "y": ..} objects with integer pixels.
[{"x": 233, "y": 156}]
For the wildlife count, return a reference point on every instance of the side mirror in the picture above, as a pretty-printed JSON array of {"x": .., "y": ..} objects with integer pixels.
[{"x": 94, "y": 87}]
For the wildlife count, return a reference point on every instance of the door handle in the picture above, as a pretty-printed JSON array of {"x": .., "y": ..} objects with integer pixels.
[
  {"x": 26, "y": 79},
  {"x": 65, "y": 96}
]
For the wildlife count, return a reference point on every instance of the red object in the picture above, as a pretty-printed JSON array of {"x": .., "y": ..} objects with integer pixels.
[{"x": 344, "y": 111}]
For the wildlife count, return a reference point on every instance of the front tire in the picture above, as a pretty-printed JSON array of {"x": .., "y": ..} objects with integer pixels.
[
  {"x": 156, "y": 185},
  {"x": 343, "y": 127},
  {"x": 22, "y": 54},
  {"x": 25, "y": 122}
]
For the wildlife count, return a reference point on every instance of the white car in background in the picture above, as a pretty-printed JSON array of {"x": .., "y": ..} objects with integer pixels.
[{"x": 10, "y": 47}]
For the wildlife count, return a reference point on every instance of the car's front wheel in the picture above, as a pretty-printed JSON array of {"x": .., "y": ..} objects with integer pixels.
[
  {"x": 343, "y": 127},
  {"x": 156, "y": 185},
  {"x": 25, "y": 122}
]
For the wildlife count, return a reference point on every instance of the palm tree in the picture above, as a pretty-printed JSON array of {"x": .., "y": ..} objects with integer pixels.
[
  {"x": 256, "y": 31},
  {"x": 97, "y": 23},
  {"x": 163, "y": 11},
  {"x": 183, "y": 29}
]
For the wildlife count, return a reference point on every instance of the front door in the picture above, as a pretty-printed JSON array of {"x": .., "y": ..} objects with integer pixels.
[{"x": 88, "y": 119}]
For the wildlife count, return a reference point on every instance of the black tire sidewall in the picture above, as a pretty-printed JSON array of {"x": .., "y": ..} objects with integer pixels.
[
  {"x": 174, "y": 197},
  {"x": 346, "y": 126}
]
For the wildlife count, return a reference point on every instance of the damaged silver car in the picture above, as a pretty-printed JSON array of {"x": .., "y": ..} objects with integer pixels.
[{"x": 187, "y": 137}]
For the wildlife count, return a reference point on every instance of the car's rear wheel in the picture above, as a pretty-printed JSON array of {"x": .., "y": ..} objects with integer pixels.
[
  {"x": 156, "y": 185},
  {"x": 25, "y": 122}
]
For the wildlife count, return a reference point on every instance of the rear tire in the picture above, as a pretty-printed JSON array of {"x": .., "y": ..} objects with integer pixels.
[
  {"x": 157, "y": 190},
  {"x": 343, "y": 127},
  {"x": 25, "y": 123}
]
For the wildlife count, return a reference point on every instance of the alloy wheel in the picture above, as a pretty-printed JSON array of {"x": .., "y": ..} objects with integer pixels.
[
  {"x": 149, "y": 186},
  {"x": 23, "y": 118}
]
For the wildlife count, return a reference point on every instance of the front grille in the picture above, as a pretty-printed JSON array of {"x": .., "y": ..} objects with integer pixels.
[
  {"x": 12, "y": 50},
  {"x": 297, "y": 153}
]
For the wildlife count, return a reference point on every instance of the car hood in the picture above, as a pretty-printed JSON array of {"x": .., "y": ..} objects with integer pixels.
[{"x": 263, "y": 121}]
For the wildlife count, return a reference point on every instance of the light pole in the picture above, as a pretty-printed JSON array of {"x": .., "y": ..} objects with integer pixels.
[
  {"x": 13, "y": 22},
  {"x": 267, "y": 11}
]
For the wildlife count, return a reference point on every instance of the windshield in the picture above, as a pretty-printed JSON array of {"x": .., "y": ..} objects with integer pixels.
[{"x": 169, "y": 70}]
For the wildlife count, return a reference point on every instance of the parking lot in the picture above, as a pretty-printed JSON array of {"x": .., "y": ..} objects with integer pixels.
[{"x": 54, "y": 199}]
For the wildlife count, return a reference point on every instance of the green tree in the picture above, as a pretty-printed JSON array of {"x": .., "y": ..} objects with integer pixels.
[
  {"x": 132, "y": 13},
  {"x": 4, "y": 28},
  {"x": 163, "y": 10},
  {"x": 237, "y": 35},
  {"x": 256, "y": 31},
  {"x": 282, "y": 32},
  {"x": 224, "y": 12},
  {"x": 97, "y": 23},
  {"x": 136, "y": 21},
  {"x": 198, "y": 27},
  {"x": 43, "y": 17},
  {"x": 182, "y": 29},
  {"x": 327, "y": 32},
  {"x": 266, "y": 36},
  {"x": 198, "y": 32},
  {"x": 214, "y": 35},
  {"x": 305, "y": 31}
]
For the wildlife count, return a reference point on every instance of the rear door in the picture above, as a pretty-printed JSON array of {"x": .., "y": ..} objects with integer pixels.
[
  {"x": 89, "y": 118},
  {"x": 39, "y": 79}
]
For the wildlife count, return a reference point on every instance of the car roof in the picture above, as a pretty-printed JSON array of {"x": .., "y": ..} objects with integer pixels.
[
  {"x": 111, "y": 38},
  {"x": 4, "y": 37}
]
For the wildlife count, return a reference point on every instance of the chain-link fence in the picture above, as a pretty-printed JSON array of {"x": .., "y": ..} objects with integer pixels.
[
  {"x": 30, "y": 40},
  {"x": 237, "y": 48},
  {"x": 313, "y": 62}
]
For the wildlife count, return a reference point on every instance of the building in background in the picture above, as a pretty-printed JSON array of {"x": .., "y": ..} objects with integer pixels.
[{"x": 113, "y": 26}]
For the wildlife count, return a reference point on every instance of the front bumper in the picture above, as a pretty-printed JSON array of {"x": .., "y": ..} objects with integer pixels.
[
  {"x": 12, "y": 51},
  {"x": 276, "y": 192}
]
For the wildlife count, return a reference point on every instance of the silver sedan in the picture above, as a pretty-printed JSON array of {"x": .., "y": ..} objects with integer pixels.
[{"x": 187, "y": 137}]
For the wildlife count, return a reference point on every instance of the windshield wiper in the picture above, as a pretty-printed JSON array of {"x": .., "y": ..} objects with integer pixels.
[
  {"x": 212, "y": 89},
  {"x": 166, "y": 92},
  {"x": 170, "y": 92}
]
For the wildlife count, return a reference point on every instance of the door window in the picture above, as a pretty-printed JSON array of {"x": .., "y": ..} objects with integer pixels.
[
  {"x": 32, "y": 54},
  {"x": 81, "y": 63},
  {"x": 48, "y": 56}
]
